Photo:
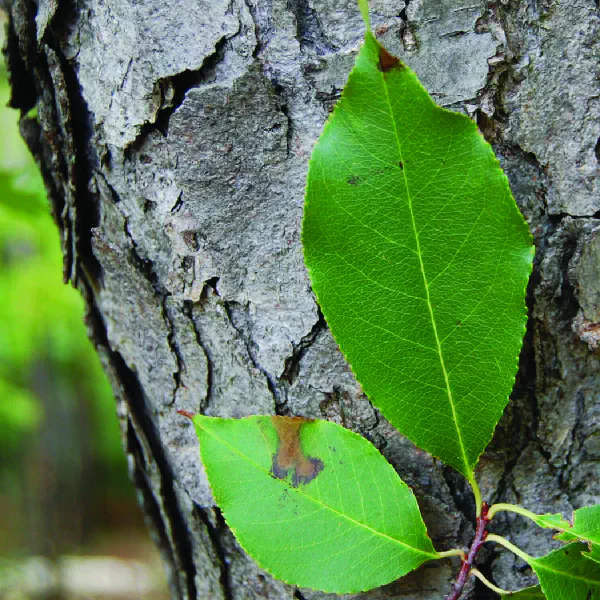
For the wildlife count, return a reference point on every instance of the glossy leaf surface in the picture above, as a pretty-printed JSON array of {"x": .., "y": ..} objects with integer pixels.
[
  {"x": 419, "y": 258},
  {"x": 566, "y": 574},
  {"x": 313, "y": 503}
]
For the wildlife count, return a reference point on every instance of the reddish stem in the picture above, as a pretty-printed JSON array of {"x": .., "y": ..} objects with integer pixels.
[
  {"x": 467, "y": 563},
  {"x": 186, "y": 413}
]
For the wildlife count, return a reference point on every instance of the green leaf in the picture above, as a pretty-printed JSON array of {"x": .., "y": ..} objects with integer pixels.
[
  {"x": 593, "y": 554},
  {"x": 586, "y": 526},
  {"x": 531, "y": 593},
  {"x": 313, "y": 503},
  {"x": 550, "y": 521},
  {"x": 419, "y": 258},
  {"x": 566, "y": 574}
]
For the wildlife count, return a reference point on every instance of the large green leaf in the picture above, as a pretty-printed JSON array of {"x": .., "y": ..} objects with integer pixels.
[
  {"x": 419, "y": 258},
  {"x": 566, "y": 574},
  {"x": 313, "y": 503}
]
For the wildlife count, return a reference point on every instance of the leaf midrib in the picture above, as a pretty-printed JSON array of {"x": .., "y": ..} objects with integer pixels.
[
  {"x": 589, "y": 535},
  {"x": 541, "y": 567},
  {"x": 468, "y": 471},
  {"x": 431, "y": 556}
]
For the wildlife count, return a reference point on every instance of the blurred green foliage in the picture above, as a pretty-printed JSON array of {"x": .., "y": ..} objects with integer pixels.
[
  {"x": 41, "y": 319},
  {"x": 66, "y": 503}
]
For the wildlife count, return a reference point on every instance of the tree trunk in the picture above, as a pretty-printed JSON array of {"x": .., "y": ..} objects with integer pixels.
[{"x": 174, "y": 140}]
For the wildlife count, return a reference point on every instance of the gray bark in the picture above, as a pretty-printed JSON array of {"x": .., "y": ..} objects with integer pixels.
[{"x": 174, "y": 141}]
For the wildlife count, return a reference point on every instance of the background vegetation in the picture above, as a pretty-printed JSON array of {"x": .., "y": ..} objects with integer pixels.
[{"x": 63, "y": 482}]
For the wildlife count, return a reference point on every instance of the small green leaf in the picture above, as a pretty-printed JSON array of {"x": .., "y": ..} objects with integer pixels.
[
  {"x": 313, "y": 503},
  {"x": 586, "y": 526},
  {"x": 566, "y": 574},
  {"x": 419, "y": 258},
  {"x": 531, "y": 593}
]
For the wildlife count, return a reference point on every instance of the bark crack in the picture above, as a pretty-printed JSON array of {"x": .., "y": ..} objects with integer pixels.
[
  {"x": 128, "y": 386},
  {"x": 86, "y": 215},
  {"x": 259, "y": 42},
  {"x": 149, "y": 505},
  {"x": 292, "y": 363},
  {"x": 309, "y": 31},
  {"x": 272, "y": 383},
  {"x": 208, "y": 398},
  {"x": 174, "y": 347},
  {"x": 402, "y": 14},
  {"x": 215, "y": 536},
  {"x": 180, "y": 539},
  {"x": 174, "y": 90}
]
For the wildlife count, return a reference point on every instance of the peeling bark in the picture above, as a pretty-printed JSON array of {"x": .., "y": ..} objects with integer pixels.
[{"x": 174, "y": 142}]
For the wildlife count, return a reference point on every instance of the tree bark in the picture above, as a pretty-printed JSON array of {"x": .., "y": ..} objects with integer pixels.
[{"x": 174, "y": 141}]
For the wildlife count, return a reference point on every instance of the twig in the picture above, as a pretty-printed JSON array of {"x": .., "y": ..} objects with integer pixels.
[{"x": 467, "y": 564}]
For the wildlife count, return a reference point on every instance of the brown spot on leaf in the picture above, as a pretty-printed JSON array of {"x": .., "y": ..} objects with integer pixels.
[
  {"x": 289, "y": 460},
  {"x": 387, "y": 61},
  {"x": 353, "y": 180},
  {"x": 401, "y": 165}
]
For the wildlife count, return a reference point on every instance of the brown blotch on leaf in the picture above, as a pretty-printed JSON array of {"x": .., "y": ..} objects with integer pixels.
[
  {"x": 353, "y": 180},
  {"x": 387, "y": 61},
  {"x": 401, "y": 165},
  {"x": 289, "y": 459}
]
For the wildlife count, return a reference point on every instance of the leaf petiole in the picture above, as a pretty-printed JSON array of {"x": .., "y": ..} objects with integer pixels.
[
  {"x": 477, "y": 494},
  {"x": 453, "y": 552},
  {"x": 496, "y": 508},
  {"x": 492, "y": 537},
  {"x": 477, "y": 573}
]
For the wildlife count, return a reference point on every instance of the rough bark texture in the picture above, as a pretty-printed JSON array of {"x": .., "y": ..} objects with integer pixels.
[{"x": 174, "y": 140}]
